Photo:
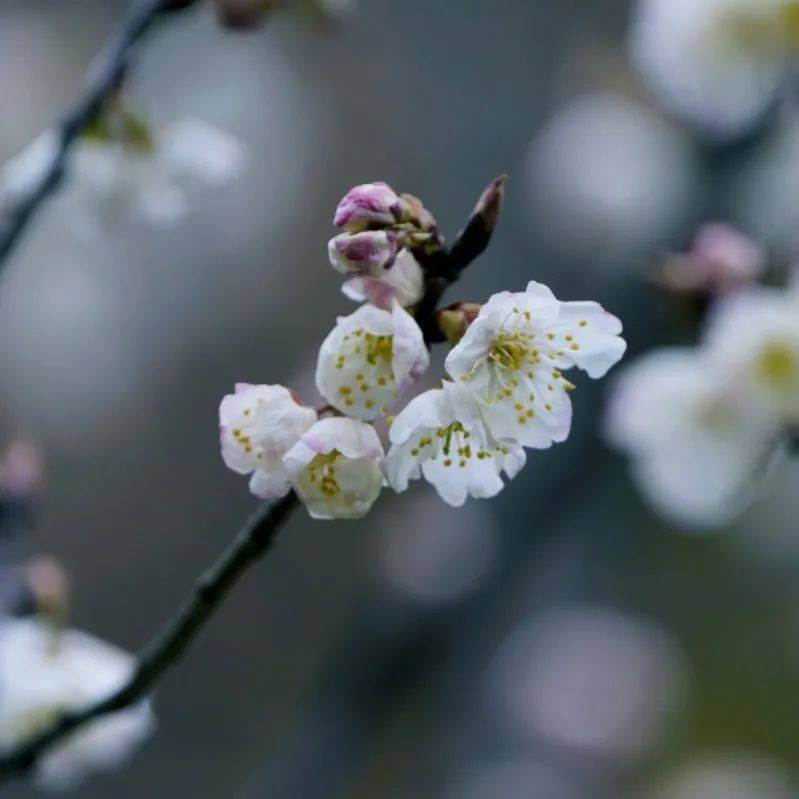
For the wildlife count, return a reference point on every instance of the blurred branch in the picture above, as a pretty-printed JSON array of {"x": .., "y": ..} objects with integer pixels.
[
  {"x": 166, "y": 649},
  {"x": 104, "y": 77}
]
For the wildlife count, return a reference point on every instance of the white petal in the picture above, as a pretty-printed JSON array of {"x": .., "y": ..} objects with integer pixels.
[
  {"x": 593, "y": 341},
  {"x": 427, "y": 410},
  {"x": 351, "y": 438},
  {"x": 410, "y": 357}
]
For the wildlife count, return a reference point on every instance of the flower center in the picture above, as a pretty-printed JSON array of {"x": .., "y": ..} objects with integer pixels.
[
  {"x": 509, "y": 350},
  {"x": 378, "y": 348},
  {"x": 777, "y": 365},
  {"x": 323, "y": 471}
]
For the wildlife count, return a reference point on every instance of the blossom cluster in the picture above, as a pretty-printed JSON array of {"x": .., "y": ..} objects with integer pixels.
[
  {"x": 504, "y": 391},
  {"x": 702, "y": 424}
]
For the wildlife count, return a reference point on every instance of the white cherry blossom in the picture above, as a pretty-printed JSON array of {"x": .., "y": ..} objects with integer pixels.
[
  {"x": 258, "y": 425},
  {"x": 512, "y": 359},
  {"x": 403, "y": 282},
  {"x": 43, "y": 673},
  {"x": 337, "y": 468},
  {"x": 441, "y": 435},
  {"x": 697, "y": 441},
  {"x": 368, "y": 359}
]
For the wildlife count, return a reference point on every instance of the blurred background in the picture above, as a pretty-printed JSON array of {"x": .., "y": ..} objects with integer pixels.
[{"x": 558, "y": 642}]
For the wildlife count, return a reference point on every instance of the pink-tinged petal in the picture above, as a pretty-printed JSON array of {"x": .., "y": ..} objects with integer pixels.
[
  {"x": 368, "y": 253},
  {"x": 369, "y": 203}
]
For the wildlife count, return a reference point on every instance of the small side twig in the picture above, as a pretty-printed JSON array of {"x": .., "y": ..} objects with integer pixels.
[
  {"x": 103, "y": 78},
  {"x": 166, "y": 649}
]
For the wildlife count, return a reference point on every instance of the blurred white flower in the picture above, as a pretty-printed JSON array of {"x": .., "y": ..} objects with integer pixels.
[
  {"x": 590, "y": 678},
  {"x": 337, "y": 468},
  {"x": 403, "y": 282},
  {"x": 609, "y": 179},
  {"x": 368, "y": 359},
  {"x": 511, "y": 356},
  {"x": 43, "y": 673},
  {"x": 697, "y": 442},
  {"x": 440, "y": 435},
  {"x": 118, "y": 180},
  {"x": 754, "y": 334},
  {"x": 257, "y": 426},
  {"x": 727, "y": 775},
  {"x": 716, "y": 63}
]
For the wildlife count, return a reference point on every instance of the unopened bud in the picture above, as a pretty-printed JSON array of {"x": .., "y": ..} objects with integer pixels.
[
  {"x": 454, "y": 322},
  {"x": 490, "y": 203},
  {"x": 475, "y": 237},
  {"x": 48, "y": 585},
  {"x": 243, "y": 14},
  {"x": 368, "y": 204},
  {"x": 368, "y": 253},
  {"x": 21, "y": 470}
]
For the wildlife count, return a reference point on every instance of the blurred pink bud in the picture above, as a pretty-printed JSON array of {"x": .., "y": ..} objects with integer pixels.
[
  {"x": 21, "y": 470},
  {"x": 367, "y": 253},
  {"x": 369, "y": 203},
  {"x": 719, "y": 259}
]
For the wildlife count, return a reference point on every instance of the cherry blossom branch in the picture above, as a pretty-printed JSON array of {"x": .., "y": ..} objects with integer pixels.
[
  {"x": 251, "y": 543},
  {"x": 104, "y": 77},
  {"x": 256, "y": 537}
]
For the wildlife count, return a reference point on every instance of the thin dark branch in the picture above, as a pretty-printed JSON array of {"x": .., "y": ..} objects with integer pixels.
[
  {"x": 251, "y": 543},
  {"x": 103, "y": 78},
  {"x": 166, "y": 649}
]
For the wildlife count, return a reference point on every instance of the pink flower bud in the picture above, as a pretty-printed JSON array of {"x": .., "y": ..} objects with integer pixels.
[
  {"x": 367, "y": 253},
  {"x": 370, "y": 203},
  {"x": 719, "y": 259}
]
